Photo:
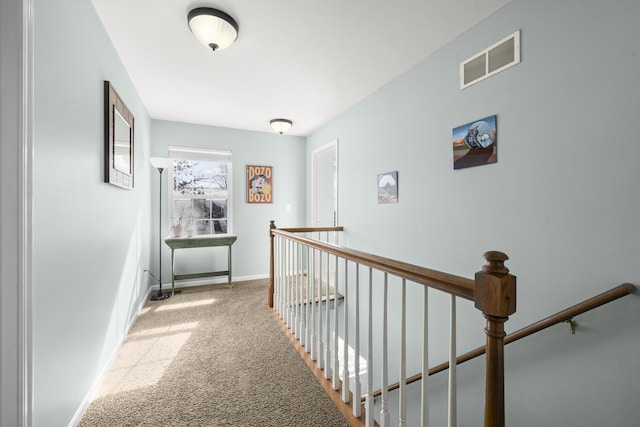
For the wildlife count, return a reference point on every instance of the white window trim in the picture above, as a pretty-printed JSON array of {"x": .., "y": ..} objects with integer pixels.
[{"x": 204, "y": 154}]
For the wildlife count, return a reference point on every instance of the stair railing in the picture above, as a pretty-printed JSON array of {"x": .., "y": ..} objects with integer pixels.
[
  {"x": 304, "y": 283},
  {"x": 564, "y": 316}
]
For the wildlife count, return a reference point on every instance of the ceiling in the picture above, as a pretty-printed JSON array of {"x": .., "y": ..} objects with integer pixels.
[{"x": 304, "y": 60}]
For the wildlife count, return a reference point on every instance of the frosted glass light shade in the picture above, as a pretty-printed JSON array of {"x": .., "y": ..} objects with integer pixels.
[
  {"x": 212, "y": 27},
  {"x": 281, "y": 125},
  {"x": 160, "y": 162}
]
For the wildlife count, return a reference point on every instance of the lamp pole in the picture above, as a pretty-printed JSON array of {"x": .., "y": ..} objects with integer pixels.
[{"x": 160, "y": 164}]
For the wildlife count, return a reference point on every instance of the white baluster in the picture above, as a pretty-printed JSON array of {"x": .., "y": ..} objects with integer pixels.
[
  {"x": 320, "y": 349},
  {"x": 369, "y": 403},
  {"x": 294, "y": 288},
  {"x": 424, "y": 407},
  {"x": 288, "y": 278},
  {"x": 327, "y": 340},
  {"x": 345, "y": 344},
  {"x": 336, "y": 361},
  {"x": 276, "y": 272},
  {"x": 357, "y": 393},
  {"x": 283, "y": 288},
  {"x": 303, "y": 295},
  {"x": 384, "y": 402},
  {"x": 312, "y": 300},
  {"x": 276, "y": 302},
  {"x": 277, "y": 282},
  {"x": 402, "y": 420},
  {"x": 283, "y": 275},
  {"x": 452, "y": 366},
  {"x": 308, "y": 297},
  {"x": 299, "y": 288},
  {"x": 290, "y": 286}
]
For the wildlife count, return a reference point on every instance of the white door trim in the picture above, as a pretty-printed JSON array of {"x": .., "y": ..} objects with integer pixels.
[
  {"x": 315, "y": 154},
  {"x": 16, "y": 211}
]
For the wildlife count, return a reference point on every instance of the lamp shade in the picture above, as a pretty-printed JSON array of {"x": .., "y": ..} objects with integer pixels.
[
  {"x": 281, "y": 125},
  {"x": 160, "y": 162},
  {"x": 212, "y": 27}
]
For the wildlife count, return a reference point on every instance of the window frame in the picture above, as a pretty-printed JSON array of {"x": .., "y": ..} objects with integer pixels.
[{"x": 204, "y": 155}]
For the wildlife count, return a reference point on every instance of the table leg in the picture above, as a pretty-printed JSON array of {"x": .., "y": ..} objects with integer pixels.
[
  {"x": 229, "y": 266},
  {"x": 173, "y": 274}
]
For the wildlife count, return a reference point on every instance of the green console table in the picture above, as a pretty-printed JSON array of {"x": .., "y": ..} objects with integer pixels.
[{"x": 201, "y": 241}]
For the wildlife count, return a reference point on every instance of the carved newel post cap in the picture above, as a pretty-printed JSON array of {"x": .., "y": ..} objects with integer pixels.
[
  {"x": 495, "y": 293},
  {"x": 495, "y": 262}
]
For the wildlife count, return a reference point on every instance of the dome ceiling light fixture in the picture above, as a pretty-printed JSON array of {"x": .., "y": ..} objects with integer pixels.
[
  {"x": 281, "y": 125},
  {"x": 212, "y": 27}
]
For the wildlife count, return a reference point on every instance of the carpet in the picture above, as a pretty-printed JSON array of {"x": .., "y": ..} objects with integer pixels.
[{"x": 210, "y": 356}]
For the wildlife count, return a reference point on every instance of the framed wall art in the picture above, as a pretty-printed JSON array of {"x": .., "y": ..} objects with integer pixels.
[
  {"x": 475, "y": 143},
  {"x": 259, "y": 184},
  {"x": 388, "y": 187},
  {"x": 118, "y": 139}
]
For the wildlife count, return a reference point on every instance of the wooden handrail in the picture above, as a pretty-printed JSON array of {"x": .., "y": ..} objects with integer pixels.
[
  {"x": 457, "y": 285},
  {"x": 311, "y": 229},
  {"x": 562, "y": 316}
]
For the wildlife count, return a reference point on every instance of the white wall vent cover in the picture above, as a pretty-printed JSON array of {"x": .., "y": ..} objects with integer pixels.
[{"x": 500, "y": 56}]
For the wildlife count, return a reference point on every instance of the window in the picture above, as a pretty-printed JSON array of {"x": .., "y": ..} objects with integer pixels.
[{"x": 201, "y": 196}]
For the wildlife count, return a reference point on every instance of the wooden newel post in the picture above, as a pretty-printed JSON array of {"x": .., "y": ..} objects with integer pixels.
[
  {"x": 272, "y": 226},
  {"x": 495, "y": 296}
]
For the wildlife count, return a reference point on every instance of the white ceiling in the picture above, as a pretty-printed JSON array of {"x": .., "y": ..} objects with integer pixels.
[{"x": 304, "y": 60}]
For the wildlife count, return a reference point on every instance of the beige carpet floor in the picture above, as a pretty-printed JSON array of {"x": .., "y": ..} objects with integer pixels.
[{"x": 210, "y": 356}]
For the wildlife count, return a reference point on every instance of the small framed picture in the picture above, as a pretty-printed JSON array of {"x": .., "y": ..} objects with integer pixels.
[
  {"x": 475, "y": 143},
  {"x": 388, "y": 187},
  {"x": 259, "y": 184}
]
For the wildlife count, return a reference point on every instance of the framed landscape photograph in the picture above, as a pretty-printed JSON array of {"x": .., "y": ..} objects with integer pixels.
[
  {"x": 388, "y": 187},
  {"x": 475, "y": 143},
  {"x": 259, "y": 184}
]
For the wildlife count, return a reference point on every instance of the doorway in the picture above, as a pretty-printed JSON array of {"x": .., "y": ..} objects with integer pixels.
[{"x": 324, "y": 192}]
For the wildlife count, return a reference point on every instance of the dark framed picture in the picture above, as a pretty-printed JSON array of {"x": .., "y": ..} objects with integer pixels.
[
  {"x": 475, "y": 143},
  {"x": 259, "y": 184},
  {"x": 118, "y": 139},
  {"x": 388, "y": 187}
]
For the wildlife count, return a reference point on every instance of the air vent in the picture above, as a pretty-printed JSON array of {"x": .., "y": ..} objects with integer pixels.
[{"x": 496, "y": 58}]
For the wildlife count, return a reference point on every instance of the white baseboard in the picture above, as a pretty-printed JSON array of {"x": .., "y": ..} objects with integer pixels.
[{"x": 207, "y": 281}]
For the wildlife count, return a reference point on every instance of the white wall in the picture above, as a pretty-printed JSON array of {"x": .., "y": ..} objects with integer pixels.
[
  {"x": 561, "y": 201},
  {"x": 92, "y": 239},
  {"x": 250, "y": 221}
]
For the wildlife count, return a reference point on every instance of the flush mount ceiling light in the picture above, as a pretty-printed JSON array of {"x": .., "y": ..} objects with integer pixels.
[
  {"x": 281, "y": 125},
  {"x": 214, "y": 28}
]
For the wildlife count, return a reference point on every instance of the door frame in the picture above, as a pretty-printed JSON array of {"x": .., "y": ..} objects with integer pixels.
[
  {"x": 315, "y": 155},
  {"x": 16, "y": 228}
]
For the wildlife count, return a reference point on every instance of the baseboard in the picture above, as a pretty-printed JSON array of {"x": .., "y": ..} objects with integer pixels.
[
  {"x": 105, "y": 369},
  {"x": 207, "y": 281}
]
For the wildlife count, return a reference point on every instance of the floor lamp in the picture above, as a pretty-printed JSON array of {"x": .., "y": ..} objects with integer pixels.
[{"x": 161, "y": 164}]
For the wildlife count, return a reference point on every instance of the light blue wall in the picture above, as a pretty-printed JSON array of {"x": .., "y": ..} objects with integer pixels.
[
  {"x": 561, "y": 201},
  {"x": 250, "y": 221},
  {"x": 91, "y": 238}
]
